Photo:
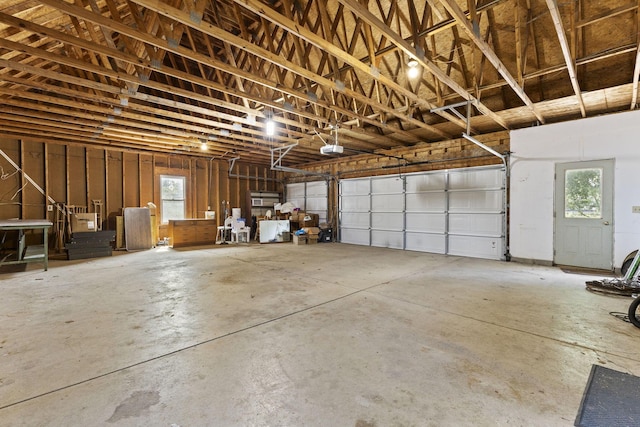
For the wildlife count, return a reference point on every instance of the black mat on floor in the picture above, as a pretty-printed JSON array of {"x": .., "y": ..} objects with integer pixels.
[{"x": 611, "y": 399}]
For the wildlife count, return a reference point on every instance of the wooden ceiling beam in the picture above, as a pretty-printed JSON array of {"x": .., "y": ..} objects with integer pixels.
[
  {"x": 51, "y": 134},
  {"x": 429, "y": 31},
  {"x": 460, "y": 17},
  {"x": 236, "y": 41},
  {"x": 179, "y": 119},
  {"x": 64, "y": 124},
  {"x": 256, "y": 7},
  {"x": 607, "y": 14},
  {"x": 520, "y": 38},
  {"x": 424, "y": 62},
  {"x": 431, "y": 46},
  {"x": 566, "y": 52},
  {"x": 121, "y": 76},
  {"x": 165, "y": 45},
  {"x": 493, "y": 41},
  {"x": 124, "y": 57},
  {"x": 136, "y": 124},
  {"x": 79, "y": 141}
]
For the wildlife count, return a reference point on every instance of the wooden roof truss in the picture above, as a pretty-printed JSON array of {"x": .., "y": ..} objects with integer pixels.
[{"x": 172, "y": 75}]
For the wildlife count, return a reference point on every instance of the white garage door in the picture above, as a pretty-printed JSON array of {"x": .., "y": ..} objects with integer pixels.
[
  {"x": 310, "y": 197},
  {"x": 457, "y": 212}
]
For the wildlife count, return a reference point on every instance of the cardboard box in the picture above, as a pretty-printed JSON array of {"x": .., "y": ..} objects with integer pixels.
[
  {"x": 312, "y": 239},
  {"x": 312, "y": 231},
  {"x": 308, "y": 220},
  {"x": 84, "y": 222},
  {"x": 299, "y": 239}
]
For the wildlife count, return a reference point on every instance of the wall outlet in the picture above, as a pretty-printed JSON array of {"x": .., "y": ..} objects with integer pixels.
[
  {"x": 50, "y": 208},
  {"x": 635, "y": 209}
]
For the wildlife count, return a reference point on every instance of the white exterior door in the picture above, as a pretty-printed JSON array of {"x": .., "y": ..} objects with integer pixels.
[{"x": 584, "y": 214}]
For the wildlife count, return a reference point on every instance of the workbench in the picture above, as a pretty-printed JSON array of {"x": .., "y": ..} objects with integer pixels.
[{"x": 24, "y": 254}]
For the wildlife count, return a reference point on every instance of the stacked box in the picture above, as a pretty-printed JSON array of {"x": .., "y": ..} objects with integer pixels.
[
  {"x": 311, "y": 220},
  {"x": 312, "y": 234},
  {"x": 84, "y": 222},
  {"x": 311, "y": 230},
  {"x": 299, "y": 239}
]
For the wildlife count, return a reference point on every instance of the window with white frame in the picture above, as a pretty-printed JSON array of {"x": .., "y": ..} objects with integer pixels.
[{"x": 172, "y": 197}]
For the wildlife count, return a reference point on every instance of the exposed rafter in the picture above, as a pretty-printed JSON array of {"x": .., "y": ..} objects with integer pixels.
[
  {"x": 164, "y": 75},
  {"x": 474, "y": 34},
  {"x": 564, "y": 45},
  {"x": 422, "y": 60}
]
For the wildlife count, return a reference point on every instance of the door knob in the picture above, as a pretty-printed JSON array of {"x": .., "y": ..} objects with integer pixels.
[{"x": 605, "y": 222}]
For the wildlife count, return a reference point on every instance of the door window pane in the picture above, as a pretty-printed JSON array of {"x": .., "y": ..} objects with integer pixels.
[
  {"x": 172, "y": 195},
  {"x": 583, "y": 193}
]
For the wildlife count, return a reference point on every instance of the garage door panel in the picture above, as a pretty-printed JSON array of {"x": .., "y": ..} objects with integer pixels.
[
  {"x": 355, "y": 187},
  {"x": 355, "y": 203},
  {"x": 426, "y": 202},
  {"x": 355, "y": 219},
  {"x": 387, "y": 185},
  {"x": 387, "y": 203},
  {"x": 295, "y": 191},
  {"x": 387, "y": 239},
  {"x": 426, "y": 182},
  {"x": 316, "y": 204},
  {"x": 425, "y": 242},
  {"x": 310, "y": 197},
  {"x": 426, "y": 222},
  {"x": 317, "y": 189},
  {"x": 476, "y": 179},
  {"x": 459, "y": 212},
  {"x": 475, "y": 201},
  {"x": 387, "y": 221},
  {"x": 484, "y": 224},
  {"x": 476, "y": 246},
  {"x": 354, "y": 236}
]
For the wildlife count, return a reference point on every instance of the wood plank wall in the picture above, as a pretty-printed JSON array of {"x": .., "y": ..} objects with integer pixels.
[{"x": 77, "y": 175}]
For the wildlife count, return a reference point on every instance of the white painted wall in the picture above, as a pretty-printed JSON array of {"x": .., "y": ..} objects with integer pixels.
[{"x": 536, "y": 150}]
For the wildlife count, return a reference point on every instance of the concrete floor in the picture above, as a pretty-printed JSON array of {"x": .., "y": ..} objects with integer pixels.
[{"x": 317, "y": 335}]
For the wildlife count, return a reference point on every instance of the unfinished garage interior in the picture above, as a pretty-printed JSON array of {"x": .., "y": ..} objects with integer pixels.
[{"x": 318, "y": 213}]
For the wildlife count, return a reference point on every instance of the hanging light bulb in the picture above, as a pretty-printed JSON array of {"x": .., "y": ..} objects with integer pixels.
[
  {"x": 414, "y": 70},
  {"x": 270, "y": 127},
  {"x": 203, "y": 145}
]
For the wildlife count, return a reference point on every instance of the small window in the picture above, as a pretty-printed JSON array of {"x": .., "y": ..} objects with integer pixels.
[
  {"x": 172, "y": 195},
  {"x": 583, "y": 193}
]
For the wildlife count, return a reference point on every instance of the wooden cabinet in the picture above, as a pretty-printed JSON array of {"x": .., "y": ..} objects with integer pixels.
[{"x": 191, "y": 232}]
